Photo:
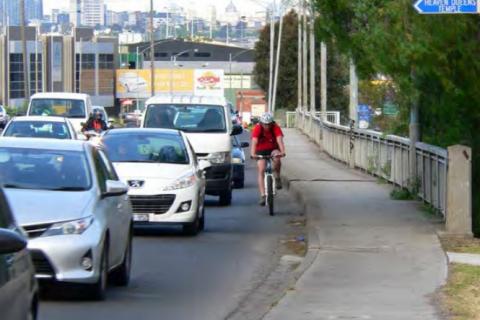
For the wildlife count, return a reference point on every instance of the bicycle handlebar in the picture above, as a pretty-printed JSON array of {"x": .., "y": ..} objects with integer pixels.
[{"x": 266, "y": 157}]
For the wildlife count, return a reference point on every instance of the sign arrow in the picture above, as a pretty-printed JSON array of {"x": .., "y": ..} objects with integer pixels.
[{"x": 447, "y": 6}]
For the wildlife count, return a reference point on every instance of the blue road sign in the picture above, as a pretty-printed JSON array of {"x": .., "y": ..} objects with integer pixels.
[{"x": 448, "y": 6}]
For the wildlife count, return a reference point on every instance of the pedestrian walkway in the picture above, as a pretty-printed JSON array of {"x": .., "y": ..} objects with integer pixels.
[{"x": 375, "y": 258}]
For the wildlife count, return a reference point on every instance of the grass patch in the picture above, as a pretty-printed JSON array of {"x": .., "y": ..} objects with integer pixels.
[
  {"x": 401, "y": 194},
  {"x": 461, "y": 245},
  {"x": 461, "y": 295}
]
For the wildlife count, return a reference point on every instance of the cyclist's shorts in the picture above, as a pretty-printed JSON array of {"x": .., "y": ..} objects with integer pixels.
[{"x": 265, "y": 152}]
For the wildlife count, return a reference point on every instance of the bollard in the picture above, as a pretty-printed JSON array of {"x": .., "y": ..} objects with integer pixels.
[{"x": 459, "y": 191}]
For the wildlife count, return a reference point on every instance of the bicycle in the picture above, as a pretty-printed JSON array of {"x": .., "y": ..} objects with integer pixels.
[{"x": 269, "y": 180}]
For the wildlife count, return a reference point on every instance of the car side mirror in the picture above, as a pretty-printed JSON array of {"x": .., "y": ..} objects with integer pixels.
[
  {"x": 245, "y": 145},
  {"x": 115, "y": 188},
  {"x": 204, "y": 164},
  {"x": 237, "y": 129},
  {"x": 11, "y": 242}
]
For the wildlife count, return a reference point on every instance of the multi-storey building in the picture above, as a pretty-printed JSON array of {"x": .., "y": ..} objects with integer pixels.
[{"x": 87, "y": 12}]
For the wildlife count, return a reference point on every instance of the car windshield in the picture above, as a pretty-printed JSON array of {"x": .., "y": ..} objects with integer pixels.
[
  {"x": 186, "y": 117},
  {"x": 38, "y": 129},
  {"x": 70, "y": 108},
  {"x": 146, "y": 147},
  {"x": 24, "y": 168}
]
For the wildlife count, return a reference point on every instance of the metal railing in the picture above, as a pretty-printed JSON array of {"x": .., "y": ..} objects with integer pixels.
[
  {"x": 331, "y": 116},
  {"x": 385, "y": 156}
]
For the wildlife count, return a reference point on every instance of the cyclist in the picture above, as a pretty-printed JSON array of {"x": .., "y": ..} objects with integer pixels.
[
  {"x": 267, "y": 139},
  {"x": 95, "y": 123}
]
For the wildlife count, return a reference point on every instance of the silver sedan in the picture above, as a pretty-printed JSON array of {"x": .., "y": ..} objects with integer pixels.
[{"x": 68, "y": 198}]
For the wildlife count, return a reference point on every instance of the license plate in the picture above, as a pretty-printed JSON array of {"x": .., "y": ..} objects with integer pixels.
[{"x": 140, "y": 217}]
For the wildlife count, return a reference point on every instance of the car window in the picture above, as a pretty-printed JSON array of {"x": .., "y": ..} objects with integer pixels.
[
  {"x": 40, "y": 169},
  {"x": 146, "y": 147},
  {"x": 102, "y": 171},
  {"x": 38, "y": 129},
  {"x": 112, "y": 175},
  {"x": 70, "y": 108},
  {"x": 187, "y": 117}
]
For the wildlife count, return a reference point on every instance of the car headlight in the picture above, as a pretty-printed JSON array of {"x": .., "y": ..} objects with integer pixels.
[
  {"x": 220, "y": 157},
  {"x": 69, "y": 228},
  {"x": 183, "y": 182}
]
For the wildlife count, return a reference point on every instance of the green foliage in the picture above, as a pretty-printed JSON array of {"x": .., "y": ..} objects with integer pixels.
[
  {"x": 288, "y": 72},
  {"x": 401, "y": 194},
  {"x": 432, "y": 61}
]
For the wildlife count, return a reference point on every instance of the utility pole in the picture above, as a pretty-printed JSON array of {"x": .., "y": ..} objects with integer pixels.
[
  {"x": 299, "y": 58},
  {"x": 323, "y": 72},
  {"x": 26, "y": 76},
  {"x": 152, "y": 52},
  {"x": 305, "y": 57},
  {"x": 277, "y": 60},
  {"x": 353, "y": 92},
  {"x": 312, "y": 61}
]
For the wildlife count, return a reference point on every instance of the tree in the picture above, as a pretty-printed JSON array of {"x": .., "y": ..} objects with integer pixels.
[
  {"x": 287, "y": 75},
  {"x": 432, "y": 60}
]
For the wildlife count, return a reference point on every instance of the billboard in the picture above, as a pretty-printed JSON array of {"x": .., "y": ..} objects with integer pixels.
[{"x": 136, "y": 84}]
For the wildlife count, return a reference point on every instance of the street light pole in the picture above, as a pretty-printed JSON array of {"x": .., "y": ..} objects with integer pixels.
[
  {"x": 174, "y": 61},
  {"x": 277, "y": 62},
  {"x": 152, "y": 52},
  {"x": 272, "y": 49},
  {"x": 26, "y": 78}
]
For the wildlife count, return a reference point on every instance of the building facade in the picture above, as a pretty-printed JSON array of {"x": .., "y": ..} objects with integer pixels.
[
  {"x": 80, "y": 62},
  {"x": 87, "y": 12}
]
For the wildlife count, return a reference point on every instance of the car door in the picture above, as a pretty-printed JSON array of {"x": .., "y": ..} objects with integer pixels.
[
  {"x": 16, "y": 275},
  {"x": 119, "y": 213}
]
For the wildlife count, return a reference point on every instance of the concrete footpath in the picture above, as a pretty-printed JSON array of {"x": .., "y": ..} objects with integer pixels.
[{"x": 372, "y": 257}]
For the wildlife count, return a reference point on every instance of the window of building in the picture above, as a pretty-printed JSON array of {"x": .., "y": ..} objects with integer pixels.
[
  {"x": 17, "y": 85},
  {"x": 202, "y": 54},
  {"x": 105, "y": 61},
  {"x": 86, "y": 71},
  {"x": 35, "y": 73}
]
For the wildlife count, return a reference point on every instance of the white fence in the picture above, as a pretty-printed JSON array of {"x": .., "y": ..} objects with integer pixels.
[{"x": 385, "y": 156}]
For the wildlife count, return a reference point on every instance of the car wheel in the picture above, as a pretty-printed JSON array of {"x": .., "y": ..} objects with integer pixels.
[
  {"x": 202, "y": 220},
  {"x": 98, "y": 290},
  {"x": 33, "y": 312},
  {"x": 192, "y": 228},
  {"x": 226, "y": 198},
  {"x": 121, "y": 275}
]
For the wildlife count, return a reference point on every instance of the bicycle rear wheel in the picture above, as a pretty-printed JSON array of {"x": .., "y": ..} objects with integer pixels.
[{"x": 270, "y": 194}]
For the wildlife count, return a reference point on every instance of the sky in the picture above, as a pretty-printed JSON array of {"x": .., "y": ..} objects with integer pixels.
[{"x": 244, "y": 6}]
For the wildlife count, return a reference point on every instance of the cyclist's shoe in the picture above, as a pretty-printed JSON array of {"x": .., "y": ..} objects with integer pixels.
[
  {"x": 278, "y": 183},
  {"x": 263, "y": 200}
]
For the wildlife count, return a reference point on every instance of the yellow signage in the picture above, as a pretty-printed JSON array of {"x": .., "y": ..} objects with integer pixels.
[{"x": 137, "y": 83}]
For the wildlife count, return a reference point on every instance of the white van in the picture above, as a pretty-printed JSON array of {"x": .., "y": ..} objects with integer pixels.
[
  {"x": 74, "y": 106},
  {"x": 207, "y": 123}
]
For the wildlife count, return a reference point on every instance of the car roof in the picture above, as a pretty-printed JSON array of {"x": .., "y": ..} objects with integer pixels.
[
  {"x": 40, "y": 118},
  {"x": 60, "y": 95},
  {"x": 186, "y": 99},
  {"x": 171, "y": 132},
  {"x": 43, "y": 144}
]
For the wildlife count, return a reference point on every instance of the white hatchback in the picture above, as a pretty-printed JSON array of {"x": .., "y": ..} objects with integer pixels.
[
  {"x": 167, "y": 184},
  {"x": 40, "y": 127}
]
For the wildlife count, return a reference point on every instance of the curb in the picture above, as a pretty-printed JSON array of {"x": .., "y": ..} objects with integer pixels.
[{"x": 313, "y": 247}]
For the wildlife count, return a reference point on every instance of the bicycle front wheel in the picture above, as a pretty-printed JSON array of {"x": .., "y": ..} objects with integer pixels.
[{"x": 270, "y": 194}]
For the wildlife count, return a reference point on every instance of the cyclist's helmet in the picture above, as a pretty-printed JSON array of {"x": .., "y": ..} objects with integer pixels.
[
  {"x": 266, "y": 118},
  {"x": 97, "y": 114}
]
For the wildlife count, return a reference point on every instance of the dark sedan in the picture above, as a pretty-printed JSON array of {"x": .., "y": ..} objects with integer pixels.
[{"x": 18, "y": 287}]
